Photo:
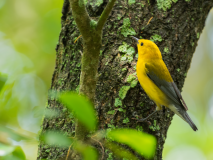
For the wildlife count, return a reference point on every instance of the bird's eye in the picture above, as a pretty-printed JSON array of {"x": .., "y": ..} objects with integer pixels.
[{"x": 141, "y": 43}]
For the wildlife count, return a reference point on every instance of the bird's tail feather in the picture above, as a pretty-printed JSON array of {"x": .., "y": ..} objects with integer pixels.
[
  {"x": 183, "y": 114},
  {"x": 189, "y": 121}
]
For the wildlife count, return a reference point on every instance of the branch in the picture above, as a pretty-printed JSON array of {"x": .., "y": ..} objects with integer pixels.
[
  {"x": 81, "y": 17},
  {"x": 105, "y": 15}
]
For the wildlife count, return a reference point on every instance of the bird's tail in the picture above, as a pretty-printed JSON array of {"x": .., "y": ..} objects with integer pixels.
[
  {"x": 189, "y": 121},
  {"x": 184, "y": 115}
]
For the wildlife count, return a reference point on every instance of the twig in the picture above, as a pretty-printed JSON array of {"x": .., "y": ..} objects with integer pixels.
[
  {"x": 81, "y": 17},
  {"x": 105, "y": 15},
  {"x": 77, "y": 38},
  {"x": 101, "y": 147},
  {"x": 68, "y": 153},
  {"x": 149, "y": 20}
]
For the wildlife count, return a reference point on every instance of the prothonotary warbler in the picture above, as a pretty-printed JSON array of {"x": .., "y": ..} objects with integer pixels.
[{"x": 157, "y": 82}]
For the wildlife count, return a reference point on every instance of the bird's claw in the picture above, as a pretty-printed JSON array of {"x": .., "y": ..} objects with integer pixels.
[
  {"x": 139, "y": 120},
  {"x": 142, "y": 120}
]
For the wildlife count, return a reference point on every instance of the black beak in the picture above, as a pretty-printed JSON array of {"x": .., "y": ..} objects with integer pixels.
[{"x": 136, "y": 39}]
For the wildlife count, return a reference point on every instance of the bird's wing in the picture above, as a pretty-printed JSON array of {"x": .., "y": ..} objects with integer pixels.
[{"x": 160, "y": 75}]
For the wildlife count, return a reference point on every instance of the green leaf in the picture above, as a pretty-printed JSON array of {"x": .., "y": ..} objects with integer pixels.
[
  {"x": 19, "y": 153},
  {"x": 38, "y": 111},
  {"x": 55, "y": 138},
  {"x": 143, "y": 143},
  {"x": 49, "y": 113},
  {"x": 3, "y": 79},
  {"x": 13, "y": 134},
  {"x": 120, "y": 151},
  {"x": 11, "y": 152},
  {"x": 88, "y": 152},
  {"x": 6, "y": 149},
  {"x": 82, "y": 108}
]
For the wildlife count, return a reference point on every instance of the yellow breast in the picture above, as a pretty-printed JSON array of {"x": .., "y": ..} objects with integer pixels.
[{"x": 149, "y": 87}]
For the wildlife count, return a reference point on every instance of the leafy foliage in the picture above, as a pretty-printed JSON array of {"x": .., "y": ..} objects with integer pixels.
[
  {"x": 9, "y": 152},
  {"x": 82, "y": 108},
  {"x": 88, "y": 152},
  {"x": 85, "y": 113},
  {"x": 120, "y": 151},
  {"x": 143, "y": 143},
  {"x": 55, "y": 138}
]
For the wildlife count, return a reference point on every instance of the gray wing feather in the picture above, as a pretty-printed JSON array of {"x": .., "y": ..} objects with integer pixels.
[{"x": 169, "y": 88}]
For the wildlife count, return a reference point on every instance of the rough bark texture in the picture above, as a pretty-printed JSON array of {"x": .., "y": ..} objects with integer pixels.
[{"x": 179, "y": 28}]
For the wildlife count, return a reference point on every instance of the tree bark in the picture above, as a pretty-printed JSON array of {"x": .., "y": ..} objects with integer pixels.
[{"x": 179, "y": 27}]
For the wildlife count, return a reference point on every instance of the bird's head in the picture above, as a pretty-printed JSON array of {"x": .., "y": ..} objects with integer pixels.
[{"x": 147, "y": 49}]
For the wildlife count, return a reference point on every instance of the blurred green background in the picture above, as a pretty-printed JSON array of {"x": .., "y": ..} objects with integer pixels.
[{"x": 29, "y": 32}]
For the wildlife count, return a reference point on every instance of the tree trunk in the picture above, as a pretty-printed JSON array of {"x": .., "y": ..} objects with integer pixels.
[{"x": 175, "y": 29}]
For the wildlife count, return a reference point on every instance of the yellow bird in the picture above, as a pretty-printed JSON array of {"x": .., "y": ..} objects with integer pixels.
[{"x": 157, "y": 82}]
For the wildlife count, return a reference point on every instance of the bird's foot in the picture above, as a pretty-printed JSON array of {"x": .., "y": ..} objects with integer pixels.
[{"x": 142, "y": 119}]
